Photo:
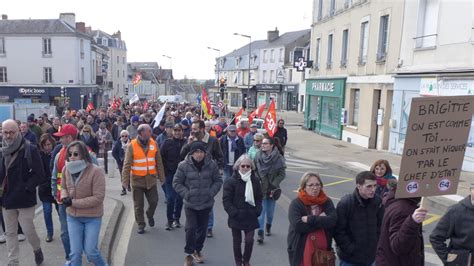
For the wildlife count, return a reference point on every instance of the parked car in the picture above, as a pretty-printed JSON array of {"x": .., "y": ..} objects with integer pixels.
[{"x": 258, "y": 122}]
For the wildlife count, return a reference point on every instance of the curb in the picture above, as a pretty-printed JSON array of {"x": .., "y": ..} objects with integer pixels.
[{"x": 107, "y": 243}]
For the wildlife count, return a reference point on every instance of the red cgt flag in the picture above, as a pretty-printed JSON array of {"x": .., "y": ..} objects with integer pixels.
[
  {"x": 270, "y": 122},
  {"x": 90, "y": 107}
]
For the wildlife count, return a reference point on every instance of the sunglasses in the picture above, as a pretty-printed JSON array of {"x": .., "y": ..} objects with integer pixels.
[
  {"x": 245, "y": 166},
  {"x": 75, "y": 154}
]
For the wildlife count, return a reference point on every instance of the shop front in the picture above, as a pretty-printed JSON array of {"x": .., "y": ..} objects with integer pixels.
[
  {"x": 407, "y": 87},
  {"x": 266, "y": 92},
  {"x": 324, "y": 103},
  {"x": 290, "y": 97},
  {"x": 61, "y": 97}
]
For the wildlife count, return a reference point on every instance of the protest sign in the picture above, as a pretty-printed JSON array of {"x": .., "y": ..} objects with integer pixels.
[{"x": 435, "y": 144}]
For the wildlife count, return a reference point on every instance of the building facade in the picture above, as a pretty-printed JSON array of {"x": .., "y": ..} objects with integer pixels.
[
  {"x": 436, "y": 58},
  {"x": 46, "y": 61},
  {"x": 357, "y": 41}
]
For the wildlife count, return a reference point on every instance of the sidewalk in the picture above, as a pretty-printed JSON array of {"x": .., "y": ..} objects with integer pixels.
[
  {"x": 54, "y": 251},
  {"x": 308, "y": 145}
]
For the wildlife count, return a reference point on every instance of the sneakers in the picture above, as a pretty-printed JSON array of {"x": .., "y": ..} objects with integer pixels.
[
  {"x": 188, "y": 260},
  {"x": 39, "y": 258},
  {"x": 21, "y": 237},
  {"x": 3, "y": 238},
  {"x": 197, "y": 256},
  {"x": 176, "y": 224},
  {"x": 49, "y": 238},
  {"x": 168, "y": 226},
  {"x": 123, "y": 193},
  {"x": 209, "y": 233},
  {"x": 151, "y": 222},
  {"x": 141, "y": 230}
]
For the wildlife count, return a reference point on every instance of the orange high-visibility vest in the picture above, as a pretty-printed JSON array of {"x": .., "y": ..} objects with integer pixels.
[{"x": 143, "y": 164}]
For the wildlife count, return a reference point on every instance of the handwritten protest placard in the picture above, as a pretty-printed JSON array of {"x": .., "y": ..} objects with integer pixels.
[{"x": 435, "y": 144}]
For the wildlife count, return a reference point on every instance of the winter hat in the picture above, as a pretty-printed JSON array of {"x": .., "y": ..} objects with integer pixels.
[
  {"x": 197, "y": 145},
  {"x": 185, "y": 122},
  {"x": 134, "y": 118},
  {"x": 30, "y": 118}
]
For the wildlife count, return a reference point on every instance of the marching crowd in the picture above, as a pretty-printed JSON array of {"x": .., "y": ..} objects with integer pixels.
[{"x": 192, "y": 159}]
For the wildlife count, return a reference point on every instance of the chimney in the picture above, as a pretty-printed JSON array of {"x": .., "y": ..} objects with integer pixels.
[
  {"x": 69, "y": 18},
  {"x": 273, "y": 35},
  {"x": 4, "y": 16},
  {"x": 89, "y": 30},
  {"x": 117, "y": 35},
  {"x": 81, "y": 27}
]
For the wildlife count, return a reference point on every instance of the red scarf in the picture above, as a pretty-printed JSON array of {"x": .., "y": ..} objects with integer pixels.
[
  {"x": 312, "y": 200},
  {"x": 319, "y": 234},
  {"x": 382, "y": 181}
]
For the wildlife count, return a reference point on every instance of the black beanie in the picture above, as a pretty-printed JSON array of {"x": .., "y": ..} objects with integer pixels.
[{"x": 197, "y": 145}]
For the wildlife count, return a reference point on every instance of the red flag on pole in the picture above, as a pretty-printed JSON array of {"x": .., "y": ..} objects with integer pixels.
[
  {"x": 137, "y": 79},
  {"x": 238, "y": 115},
  {"x": 256, "y": 113},
  {"x": 270, "y": 122},
  {"x": 206, "y": 105},
  {"x": 145, "y": 105},
  {"x": 90, "y": 107}
]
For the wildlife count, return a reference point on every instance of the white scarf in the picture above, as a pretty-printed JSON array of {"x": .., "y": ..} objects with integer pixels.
[{"x": 248, "y": 187}]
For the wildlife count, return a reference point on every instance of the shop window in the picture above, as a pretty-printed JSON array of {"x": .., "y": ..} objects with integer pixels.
[
  {"x": 48, "y": 75},
  {"x": 355, "y": 107},
  {"x": 47, "y": 47},
  {"x": 3, "y": 74}
]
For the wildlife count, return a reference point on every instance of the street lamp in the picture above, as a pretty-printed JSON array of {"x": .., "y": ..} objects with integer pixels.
[
  {"x": 218, "y": 58},
  {"x": 169, "y": 57},
  {"x": 250, "y": 53}
]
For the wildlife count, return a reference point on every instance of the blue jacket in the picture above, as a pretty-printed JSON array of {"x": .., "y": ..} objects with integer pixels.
[{"x": 224, "y": 143}]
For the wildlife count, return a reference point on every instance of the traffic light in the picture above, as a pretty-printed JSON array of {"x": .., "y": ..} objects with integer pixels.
[
  {"x": 222, "y": 85},
  {"x": 126, "y": 91}
]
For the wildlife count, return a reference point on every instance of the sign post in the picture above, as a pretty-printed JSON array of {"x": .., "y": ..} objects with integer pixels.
[{"x": 435, "y": 144}]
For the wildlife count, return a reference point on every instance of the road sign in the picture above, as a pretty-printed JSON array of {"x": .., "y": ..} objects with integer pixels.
[{"x": 220, "y": 104}]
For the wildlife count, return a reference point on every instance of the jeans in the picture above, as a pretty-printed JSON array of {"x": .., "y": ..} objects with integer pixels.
[
  {"x": 343, "y": 263},
  {"x": 268, "y": 209},
  {"x": 195, "y": 229},
  {"x": 237, "y": 245},
  {"x": 210, "y": 222},
  {"x": 64, "y": 230},
  {"x": 84, "y": 236},
  {"x": 48, "y": 216},
  {"x": 174, "y": 203}
]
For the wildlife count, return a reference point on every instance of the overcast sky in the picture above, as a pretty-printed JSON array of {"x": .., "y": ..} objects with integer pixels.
[{"x": 181, "y": 29}]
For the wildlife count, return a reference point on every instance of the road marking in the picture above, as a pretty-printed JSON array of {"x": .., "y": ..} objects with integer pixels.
[
  {"x": 337, "y": 183},
  {"x": 360, "y": 165},
  {"x": 336, "y": 176},
  {"x": 432, "y": 219},
  {"x": 302, "y": 161}
]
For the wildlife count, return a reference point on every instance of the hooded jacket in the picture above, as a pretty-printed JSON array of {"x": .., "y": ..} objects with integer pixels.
[
  {"x": 401, "y": 239},
  {"x": 457, "y": 226}
]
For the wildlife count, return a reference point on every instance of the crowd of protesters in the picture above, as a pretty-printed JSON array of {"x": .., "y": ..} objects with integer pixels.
[{"x": 192, "y": 158}]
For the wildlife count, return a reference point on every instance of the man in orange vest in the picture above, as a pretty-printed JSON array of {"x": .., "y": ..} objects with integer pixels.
[{"x": 141, "y": 168}]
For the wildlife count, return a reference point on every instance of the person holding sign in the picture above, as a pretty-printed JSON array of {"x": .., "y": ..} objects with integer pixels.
[
  {"x": 401, "y": 239},
  {"x": 457, "y": 226}
]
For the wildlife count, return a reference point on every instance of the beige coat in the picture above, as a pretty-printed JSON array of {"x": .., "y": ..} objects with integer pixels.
[
  {"x": 147, "y": 181},
  {"x": 87, "y": 194}
]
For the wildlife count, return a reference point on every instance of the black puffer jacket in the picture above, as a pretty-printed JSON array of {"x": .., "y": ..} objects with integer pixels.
[
  {"x": 44, "y": 189},
  {"x": 197, "y": 188},
  {"x": 170, "y": 156},
  {"x": 457, "y": 226},
  {"x": 20, "y": 186},
  {"x": 242, "y": 215},
  {"x": 358, "y": 228}
]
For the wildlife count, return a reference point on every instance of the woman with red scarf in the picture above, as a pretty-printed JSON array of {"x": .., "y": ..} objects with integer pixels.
[
  {"x": 383, "y": 172},
  {"x": 312, "y": 216}
]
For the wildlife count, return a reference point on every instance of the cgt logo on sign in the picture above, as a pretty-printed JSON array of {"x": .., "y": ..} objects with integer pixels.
[{"x": 31, "y": 91}]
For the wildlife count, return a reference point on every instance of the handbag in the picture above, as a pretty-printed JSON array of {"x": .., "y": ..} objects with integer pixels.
[
  {"x": 322, "y": 257},
  {"x": 274, "y": 194},
  {"x": 461, "y": 257}
]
